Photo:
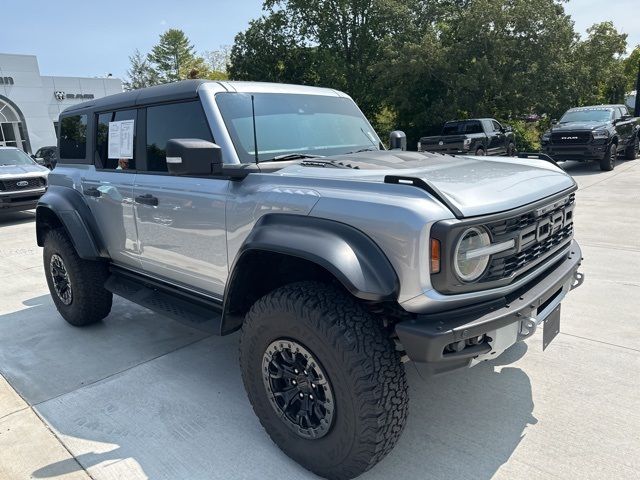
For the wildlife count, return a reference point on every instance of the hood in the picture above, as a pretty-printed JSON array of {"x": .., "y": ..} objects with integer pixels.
[
  {"x": 33, "y": 170},
  {"x": 475, "y": 185},
  {"x": 563, "y": 127}
]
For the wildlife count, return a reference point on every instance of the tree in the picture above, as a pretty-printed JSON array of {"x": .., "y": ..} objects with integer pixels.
[
  {"x": 630, "y": 68},
  {"x": 140, "y": 74},
  {"x": 173, "y": 57}
]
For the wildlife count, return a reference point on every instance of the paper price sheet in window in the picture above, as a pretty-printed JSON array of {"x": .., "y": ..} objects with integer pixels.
[{"x": 121, "y": 139}]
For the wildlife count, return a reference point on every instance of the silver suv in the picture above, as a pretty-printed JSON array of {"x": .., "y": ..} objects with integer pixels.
[
  {"x": 275, "y": 210},
  {"x": 22, "y": 180}
]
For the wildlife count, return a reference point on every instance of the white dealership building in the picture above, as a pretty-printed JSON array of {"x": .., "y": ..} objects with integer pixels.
[{"x": 31, "y": 103}]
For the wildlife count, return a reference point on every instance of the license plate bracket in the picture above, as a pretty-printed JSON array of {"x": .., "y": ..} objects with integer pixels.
[{"x": 551, "y": 327}]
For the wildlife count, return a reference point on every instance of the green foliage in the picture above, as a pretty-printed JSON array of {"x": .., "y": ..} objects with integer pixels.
[
  {"x": 527, "y": 135},
  {"x": 630, "y": 68},
  {"x": 173, "y": 58}
]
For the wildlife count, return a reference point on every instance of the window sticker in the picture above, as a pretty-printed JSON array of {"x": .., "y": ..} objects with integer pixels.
[{"x": 121, "y": 139}]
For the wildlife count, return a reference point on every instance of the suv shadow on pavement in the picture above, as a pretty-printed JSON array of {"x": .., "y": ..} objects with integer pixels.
[
  {"x": 16, "y": 218},
  {"x": 177, "y": 408}
]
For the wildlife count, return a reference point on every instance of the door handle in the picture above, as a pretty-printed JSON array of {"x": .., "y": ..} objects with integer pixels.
[
  {"x": 92, "y": 192},
  {"x": 147, "y": 199}
]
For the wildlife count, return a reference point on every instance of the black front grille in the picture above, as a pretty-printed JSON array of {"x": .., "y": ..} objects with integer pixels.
[
  {"x": 18, "y": 184},
  {"x": 511, "y": 228},
  {"x": 570, "y": 138},
  {"x": 507, "y": 266}
]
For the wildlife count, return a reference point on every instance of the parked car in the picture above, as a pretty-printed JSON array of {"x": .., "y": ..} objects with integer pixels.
[
  {"x": 46, "y": 156},
  {"x": 599, "y": 132},
  {"x": 479, "y": 136},
  {"x": 22, "y": 181},
  {"x": 337, "y": 260}
]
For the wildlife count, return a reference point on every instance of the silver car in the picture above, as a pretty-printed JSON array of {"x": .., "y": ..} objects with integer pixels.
[
  {"x": 276, "y": 210},
  {"x": 22, "y": 180}
]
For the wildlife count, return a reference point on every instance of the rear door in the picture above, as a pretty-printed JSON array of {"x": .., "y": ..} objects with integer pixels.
[
  {"x": 498, "y": 140},
  {"x": 180, "y": 220},
  {"x": 108, "y": 188}
]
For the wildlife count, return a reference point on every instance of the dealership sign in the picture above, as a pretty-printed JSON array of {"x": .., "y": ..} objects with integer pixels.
[
  {"x": 81, "y": 96},
  {"x": 6, "y": 80}
]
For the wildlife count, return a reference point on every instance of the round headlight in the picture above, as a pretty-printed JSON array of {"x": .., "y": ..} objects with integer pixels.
[{"x": 470, "y": 264}]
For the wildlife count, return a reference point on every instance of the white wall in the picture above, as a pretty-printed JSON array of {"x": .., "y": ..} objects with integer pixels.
[{"x": 34, "y": 95}]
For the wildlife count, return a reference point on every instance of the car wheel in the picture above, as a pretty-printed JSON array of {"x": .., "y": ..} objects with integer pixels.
[
  {"x": 324, "y": 378},
  {"x": 76, "y": 285},
  {"x": 608, "y": 162},
  {"x": 631, "y": 153},
  {"x": 511, "y": 150},
  {"x": 480, "y": 152}
]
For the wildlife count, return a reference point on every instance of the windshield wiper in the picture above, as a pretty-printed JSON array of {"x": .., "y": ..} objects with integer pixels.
[{"x": 291, "y": 156}]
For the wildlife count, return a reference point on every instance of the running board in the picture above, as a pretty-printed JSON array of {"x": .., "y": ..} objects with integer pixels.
[{"x": 185, "y": 307}]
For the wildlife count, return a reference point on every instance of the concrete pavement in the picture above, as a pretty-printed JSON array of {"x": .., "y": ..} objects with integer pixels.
[{"x": 142, "y": 396}]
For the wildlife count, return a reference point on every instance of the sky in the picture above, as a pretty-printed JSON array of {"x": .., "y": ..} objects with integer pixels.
[{"x": 86, "y": 39}]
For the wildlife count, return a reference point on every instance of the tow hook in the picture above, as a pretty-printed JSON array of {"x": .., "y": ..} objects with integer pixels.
[
  {"x": 528, "y": 327},
  {"x": 578, "y": 279}
]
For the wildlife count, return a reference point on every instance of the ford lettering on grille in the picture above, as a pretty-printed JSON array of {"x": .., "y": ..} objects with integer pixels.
[{"x": 545, "y": 226}]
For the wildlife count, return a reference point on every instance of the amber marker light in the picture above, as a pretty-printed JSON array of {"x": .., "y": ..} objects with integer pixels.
[{"x": 435, "y": 255}]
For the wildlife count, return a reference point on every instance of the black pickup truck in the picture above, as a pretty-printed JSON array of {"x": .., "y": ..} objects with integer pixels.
[
  {"x": 599, "y": 132},
  {"x": 478, "y": 136}
]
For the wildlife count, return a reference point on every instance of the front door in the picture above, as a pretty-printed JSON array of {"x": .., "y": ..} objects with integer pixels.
[
  {"x": 108, "y": 189},
  {"x": 497, "y": 144},
  {"x": 180, "y": 220}
]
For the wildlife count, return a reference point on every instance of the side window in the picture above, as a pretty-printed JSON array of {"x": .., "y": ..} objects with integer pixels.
[
  {"x": 623, "y": 111},
  {"x": 616, "y": 114},
  {"x": 108, "y": 158},
  {"x": 175, "y": 120},
  {"x": 73, "y": 137},
  {"x": 496, "y": 126}
]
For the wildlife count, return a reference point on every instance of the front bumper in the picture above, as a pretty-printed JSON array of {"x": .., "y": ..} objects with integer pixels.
[
  {"x": 20, "y": 200},
  {"x": 585, "y": 152},
  {"x": 503, "y": 322}
]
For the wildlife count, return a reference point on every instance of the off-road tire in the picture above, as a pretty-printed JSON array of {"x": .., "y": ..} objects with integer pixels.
[
  {"x": 90, "y": 301},
  {"x": 631, "y": 153},
  {"x": 608, "y": 162},
  {"x": 480, "y": 152},
  {"x": 360, "y": 361}
]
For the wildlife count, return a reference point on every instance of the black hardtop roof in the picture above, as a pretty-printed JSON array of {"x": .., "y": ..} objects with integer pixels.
[{"x": 182, "y": 90}]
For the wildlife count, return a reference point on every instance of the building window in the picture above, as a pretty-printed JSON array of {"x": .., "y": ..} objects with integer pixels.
[
  {"x": 73, "y": 137},
  {"x": 175, "y": 120}
]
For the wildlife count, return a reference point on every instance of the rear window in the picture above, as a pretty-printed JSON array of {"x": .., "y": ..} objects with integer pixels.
[
  {"x": 73, "y": 137},
  {"x": 460, "y": 128}
]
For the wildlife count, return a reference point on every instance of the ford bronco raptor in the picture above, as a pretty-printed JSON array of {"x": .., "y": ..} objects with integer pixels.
[{"x": 275, "y": 210}]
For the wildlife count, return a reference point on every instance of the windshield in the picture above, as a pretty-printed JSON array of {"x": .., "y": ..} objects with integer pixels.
[
  {"x": 588, "y": 115},
  {"x": 459, "y": 128},
  {"x": 295, "y": 124},
  {"x": 14, "y": 157}
]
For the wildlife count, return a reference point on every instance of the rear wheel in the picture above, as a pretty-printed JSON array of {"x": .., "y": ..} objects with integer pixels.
[
  {"x": 480, "y": 152},
  {"x": 76, "y": 285},
  {"x": 631, "y": 153},
  {"x": 324, "y": 378},
  {"x": 608, "y": 162},
  {"x": 511, "y": 150}
]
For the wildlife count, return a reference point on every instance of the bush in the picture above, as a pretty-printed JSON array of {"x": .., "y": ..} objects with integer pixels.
[{"x": 527, "y": 135}]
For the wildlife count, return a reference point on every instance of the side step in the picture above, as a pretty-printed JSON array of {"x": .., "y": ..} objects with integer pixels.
[{"x": 168, "y": 300}]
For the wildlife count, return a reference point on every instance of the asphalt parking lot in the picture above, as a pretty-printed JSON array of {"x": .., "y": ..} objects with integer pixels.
[{"x": 142, "y": 396}]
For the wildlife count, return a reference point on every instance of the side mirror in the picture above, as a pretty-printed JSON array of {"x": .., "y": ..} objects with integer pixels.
[
  {"x": 508, "y": 129},
  {"x": 397, "y": 140},
  {"x": 192, "y": 156},
  {"x": 625, "y": 118},
  {"x": 554, "y": 121}
]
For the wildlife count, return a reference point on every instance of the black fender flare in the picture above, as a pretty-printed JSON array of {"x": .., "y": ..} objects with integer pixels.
[
  {"x": 347, "y": 253},
  {"x": 64, "y": 206}
]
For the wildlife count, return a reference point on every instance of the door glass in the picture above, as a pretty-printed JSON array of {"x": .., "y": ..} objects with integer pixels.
[
  {"x": 496, "y": 126},
  {"x": 102, "y": 141},
  {"x": 73, "y": 137},
  {"x": 175, "y": 120}
]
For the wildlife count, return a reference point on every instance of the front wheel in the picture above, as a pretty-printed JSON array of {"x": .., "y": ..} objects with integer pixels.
[
  {"x": 324, "y": 378},
  {"x": 511, "y": 150},
  {"x": 480, "y": 152},
  {"x": 608, "y": 162}
]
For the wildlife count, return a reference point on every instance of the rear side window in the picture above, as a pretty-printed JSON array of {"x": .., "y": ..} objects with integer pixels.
[
  {"x": 175, "y": 120},
  {"x": 103, "y": 159},
  {"x": 73, "y": 137}
]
